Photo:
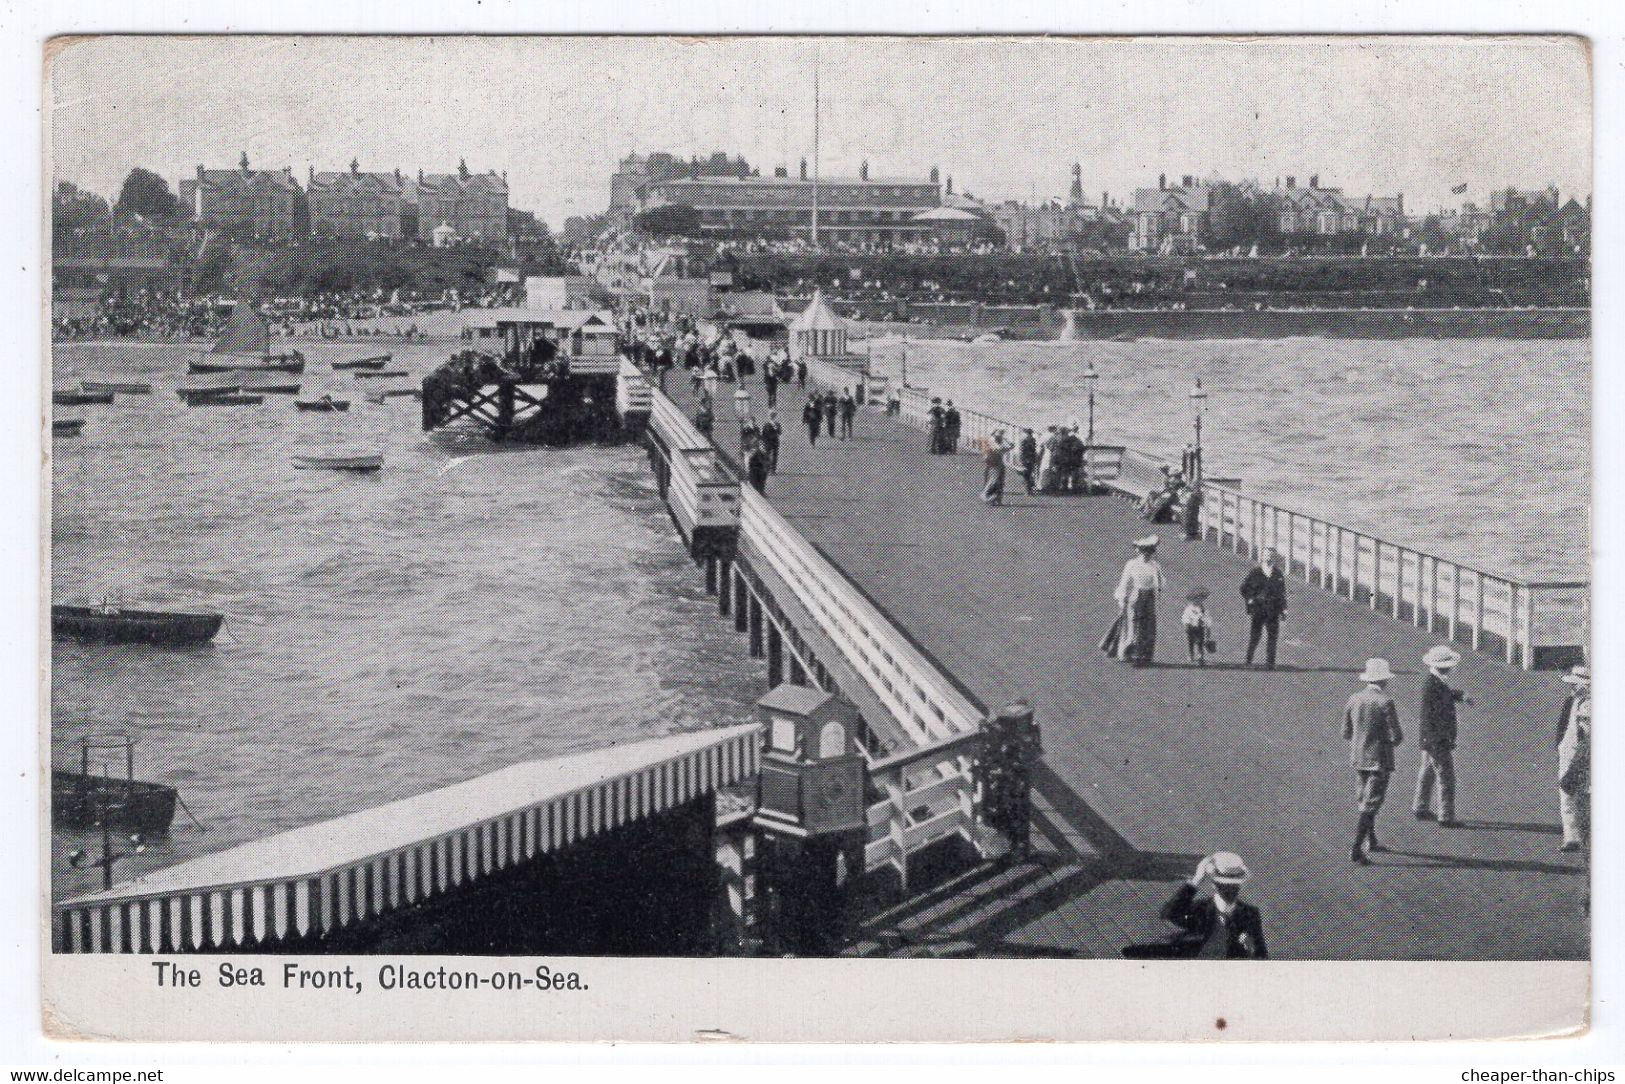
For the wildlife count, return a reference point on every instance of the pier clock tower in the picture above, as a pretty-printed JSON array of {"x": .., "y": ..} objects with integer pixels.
[{"x": 811, "y": 811}]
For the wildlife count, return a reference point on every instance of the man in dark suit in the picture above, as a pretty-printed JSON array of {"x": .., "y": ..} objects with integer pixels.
[
  {"x": 1216, "y": 927},
  {"x": 1264, "y": 592},
  {"x": 1436, "y": 734}
]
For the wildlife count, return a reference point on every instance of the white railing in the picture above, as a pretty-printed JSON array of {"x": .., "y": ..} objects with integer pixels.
[
  {"x": 1514, "y": 618},
  {"x": 1528, "y": 624},
  {"x": 631, "y": 390}
]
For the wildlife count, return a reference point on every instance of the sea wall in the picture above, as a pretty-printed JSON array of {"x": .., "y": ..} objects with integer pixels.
[{"x": 1332, "y": 323}]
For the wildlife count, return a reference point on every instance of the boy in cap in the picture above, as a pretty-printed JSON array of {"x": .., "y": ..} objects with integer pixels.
[
  {"x": 1436, "y": 734},
  {"x": 1216, "y": 927},
  {"x": 1371, "y": 727},
  {"x": 1198, "y": 626}
]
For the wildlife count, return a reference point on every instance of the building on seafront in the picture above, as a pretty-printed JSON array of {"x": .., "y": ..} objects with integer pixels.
[
  {"x": 1327, "y": 212},
  {"x": 354, "y": 205},
  {"x": 858, "y": 210},
  {"x": 1171, "y": 218},
  {"x": 474, "y": 206},
  {"x": 629, "y": 185},
  {"x": 266, "y": 203}
]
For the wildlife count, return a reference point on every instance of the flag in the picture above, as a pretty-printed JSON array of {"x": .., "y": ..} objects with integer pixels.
[{"x": 1459, "y": 189}]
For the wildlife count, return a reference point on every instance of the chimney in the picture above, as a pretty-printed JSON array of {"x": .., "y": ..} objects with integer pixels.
[
  {"x": 1291, "y": 181},
  {"x": 397, "y": 176},
  {"x": 1162, "y": 181},
  {"x": 199, "y": 175},
  {"x": 312, "y": 177},
  {"x": 935, "y": 176},
  {"x": 242, "y": 163},
  {"x": 420, "y": 175},
  {"x": 950, "y": 184},
  {"x": 1314, "y": 180},
  {"x": 863, "y": 170},
  {"x": 355, "y": 167},
  {"x": 804, "y": 169},
  {"x": 1399, "y": 204}
]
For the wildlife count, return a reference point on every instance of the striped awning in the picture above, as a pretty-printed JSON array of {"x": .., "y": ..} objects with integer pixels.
[{"x": 321, "y": 877}]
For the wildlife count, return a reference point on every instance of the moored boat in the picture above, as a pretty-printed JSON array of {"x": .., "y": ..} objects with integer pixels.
[
  {"x": 116, "y": 624},
  {"x": 361, "y": 462},
  {"x": 278, "y": 364},
  {"x": 259, "y": 388},
  {"x": 116, "y": 387},
  {"x": 326, "y": 402},
  {"x": 229, "y": 399},
  {"x": 66, "y": 427},
  {"x": 245, "y": 346},
  {"x": 81, "y": 398},
  {"x": 83, "y": 799},
  {"x": 403, "y": 393},
  {"x": 196, "y": 394},
  {"x": 380, "y": 373},
  {"x": 364, "y": 363}
]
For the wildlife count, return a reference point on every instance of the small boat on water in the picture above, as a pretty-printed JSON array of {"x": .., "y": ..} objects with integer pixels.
[
  {"x": 403, "y": 393},
  {"x": 364, "y": 363},
  {"x": 380, "y": 373},
  {"x": 194, "y": 395},
  {"x": 81, "y": 800},
  {"x": 326, "y": 402},
  {"x": 360, "y": 462},
  {"x": 111, "y": 623},
  {"x": 228, "y": 399},
  {"x": 81, "y": 398},
  {"x": 66, "y": 427},
  {"x": 94, "y": 386},
  {"x": 258, "y": 388},
  {"x": 245, "y": 346}
]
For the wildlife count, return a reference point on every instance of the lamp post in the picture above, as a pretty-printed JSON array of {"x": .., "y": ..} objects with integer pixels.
[
  {"x": 1091, "y": 377},
  {"x": 1198, "y": 404}
]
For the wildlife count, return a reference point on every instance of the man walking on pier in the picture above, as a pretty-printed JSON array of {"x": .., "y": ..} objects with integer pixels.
[
  {"x": 950, "y": 428},
  {"x": 1371, "y": 727},
  {"x": 1029, "y": 459},
  {"x": 1137, "y": 593},
  {"x": 1264, "y": 592},
  {"x": 769, "y": 436},
  {"x": 812, "y": 416},
  {"x": 1574, "y": 760},
  {"x": 770, "y": 382},
  {"x": 1436, "y": 735},
  {"x": 849, "y": 413}
]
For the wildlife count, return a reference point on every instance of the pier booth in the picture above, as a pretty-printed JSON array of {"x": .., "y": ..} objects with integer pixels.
[
  {"x": 819, "y": 337},
  {"x": 704, "y": 500},
  {"x": 609, "y": 852}
]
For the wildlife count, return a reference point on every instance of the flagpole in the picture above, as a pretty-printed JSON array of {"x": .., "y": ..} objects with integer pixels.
[{"x": 816, "y": 121}]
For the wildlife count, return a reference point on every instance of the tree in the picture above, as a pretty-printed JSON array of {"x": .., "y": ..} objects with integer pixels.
[
  {"x": 148, "y": 195},
  {"x": 73, "y": 210},
  {"x": 673, "y": 219}
]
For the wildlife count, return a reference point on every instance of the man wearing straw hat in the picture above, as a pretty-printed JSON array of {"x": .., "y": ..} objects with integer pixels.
[
  {"x": 1137, "y": 593},
  {"x": 1216, "y": 927},
  {"x": 1574, "y": 760},
  {"x": 1371, "y": 727},
  {"x": 1436, "y": 734}
]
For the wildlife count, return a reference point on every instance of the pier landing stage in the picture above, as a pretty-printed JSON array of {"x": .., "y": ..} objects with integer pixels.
[{"x": 1146, "y": 771}]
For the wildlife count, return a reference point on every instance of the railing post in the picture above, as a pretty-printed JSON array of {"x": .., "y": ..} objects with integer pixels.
[
  {"x": 755, "y": 621},
  {"x": 725, "y": 582},
  {"x": 1399, "y": 579},
  {"x": 899, "y": 827},
  {"x": 1455, "y": 602},
  {"x": 1376, "y": 571},
  {"x": 1528, "y": 628},
  {"x": 1478, "y": 612},
  {"x": 1513, "y": 611},
  {"x": 741, "y": 601}
]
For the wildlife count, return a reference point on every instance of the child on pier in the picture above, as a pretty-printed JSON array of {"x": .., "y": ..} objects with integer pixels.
[{"x": 1198, "y": 627}]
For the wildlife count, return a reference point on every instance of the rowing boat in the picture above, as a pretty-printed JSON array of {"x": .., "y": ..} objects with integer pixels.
[
  {"x": 229, "y": 399},
  {"x": 118, "y": 625},
  {"x": 115, "y": 386},
  {"x": 81, "y": 398},
  {"x": 361, "y": 462},
  {"x": 272, "y": 389},
  {"x": 364, "y": 363},
  {"x": 381, "y": 373},
  {"x": 66, "y": 427},
  {"x": 322, "y": 404}
]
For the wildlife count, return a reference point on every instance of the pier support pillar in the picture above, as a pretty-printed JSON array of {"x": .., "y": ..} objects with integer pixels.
[
  {"x": 755, "y": 627},
  {"x": 725, "y": 585},
  {"x": 710, "y": 575},
  {"x": 742, "y": 601},
  {"x": 775, "y": 656},
  {"x": 798, "y": 675}
]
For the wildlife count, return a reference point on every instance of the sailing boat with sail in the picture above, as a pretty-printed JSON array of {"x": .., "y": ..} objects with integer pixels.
[{"x": 245, "y": 346}]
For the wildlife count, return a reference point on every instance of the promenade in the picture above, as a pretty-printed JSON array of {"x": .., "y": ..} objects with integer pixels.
[{"x": 1145, "y": 771}]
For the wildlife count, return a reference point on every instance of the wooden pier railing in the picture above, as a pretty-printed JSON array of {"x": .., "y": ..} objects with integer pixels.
[
  {"x": 925, "y": 790},
  {"x": 1529, "y": 624}
]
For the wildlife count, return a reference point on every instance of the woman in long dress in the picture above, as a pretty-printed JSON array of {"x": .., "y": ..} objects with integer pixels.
[{"x": 1137, "y": 591}]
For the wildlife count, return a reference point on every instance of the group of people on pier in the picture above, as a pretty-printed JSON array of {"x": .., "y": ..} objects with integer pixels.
[{"x": 1371, "y": 717}]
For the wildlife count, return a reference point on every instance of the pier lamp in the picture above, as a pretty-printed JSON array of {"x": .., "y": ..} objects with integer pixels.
[
  {"x": 1198, "y": 405},
  {"x": 1091, "y": 377}
]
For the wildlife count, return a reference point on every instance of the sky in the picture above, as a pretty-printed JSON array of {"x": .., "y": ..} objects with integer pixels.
[{"x": 1005, "y": 117}]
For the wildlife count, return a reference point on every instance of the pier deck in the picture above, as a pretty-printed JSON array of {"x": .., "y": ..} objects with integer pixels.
[{"x": 1145, "y": 771}]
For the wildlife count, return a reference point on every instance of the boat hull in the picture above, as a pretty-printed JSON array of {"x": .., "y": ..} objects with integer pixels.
[
  {"x": 271, "y": 389},
  {"x": 94, "y": 386},
  {"x": 360, "y": 464},
  {"x": 67, "y": 427},
  {"x": 81, "y": 398},
  {"x": 132, "y": 805},
  {"x": 380, "y": 374},
  {"x": 320, "y": 405},
  {"x": 134, "y": 626},
  {"x": 364, "y": 363},
  {"x": 228, "y": 399},
  {"x": 269, "y": 365}
]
